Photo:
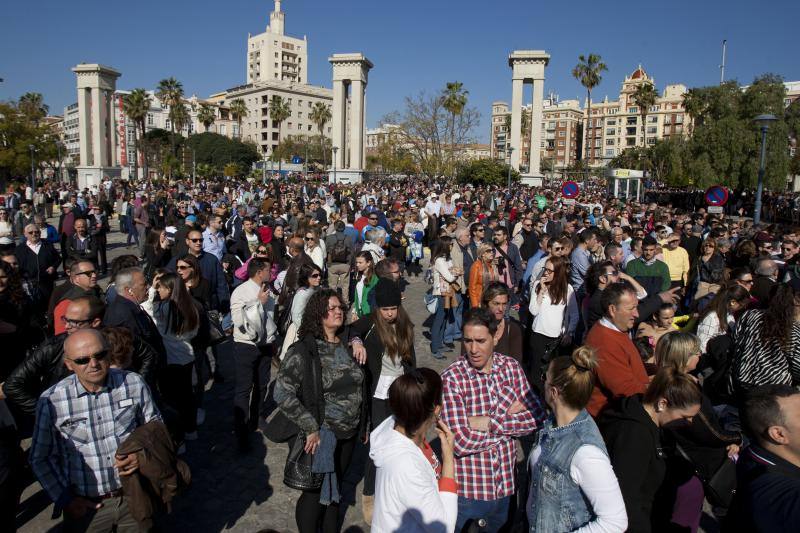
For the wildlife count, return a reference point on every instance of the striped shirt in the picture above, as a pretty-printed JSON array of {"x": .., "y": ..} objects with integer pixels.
[
  {"x": 77, "y": 433},
  {"x": 485, "y": 459}
]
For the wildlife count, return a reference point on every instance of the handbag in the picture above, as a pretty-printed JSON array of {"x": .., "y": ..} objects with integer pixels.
[
  {"x": 216, "y": 335},
  {"x": 431, "y": 302},
  {"x": 297, "y": 472},
  {"x": 721, "y": 486}
]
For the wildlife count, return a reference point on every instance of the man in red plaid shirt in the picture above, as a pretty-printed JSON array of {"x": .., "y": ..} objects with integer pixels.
[{"x": 487, "y": 402}]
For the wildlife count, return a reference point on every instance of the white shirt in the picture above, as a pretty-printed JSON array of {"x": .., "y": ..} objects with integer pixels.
[
  {"x": 591, "y": 470},
  {"x": 245, "y": 297},
  {"x": 35, "y": 247},
  {"x": 551, "y": 319}
]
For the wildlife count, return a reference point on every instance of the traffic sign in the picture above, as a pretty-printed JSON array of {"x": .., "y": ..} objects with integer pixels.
[
  {"x": 716, "y": 195},
  {"x": 569, "y": 189}
]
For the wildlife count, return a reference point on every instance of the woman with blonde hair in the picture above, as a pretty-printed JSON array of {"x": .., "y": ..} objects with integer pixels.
[
  {"x": 570, "y": 454},
  {"x": 482, "y": 273},
  {"x": 313, "y": 248}
]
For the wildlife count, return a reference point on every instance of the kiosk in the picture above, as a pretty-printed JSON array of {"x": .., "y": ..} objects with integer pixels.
[{"x": 624, "y": 183}]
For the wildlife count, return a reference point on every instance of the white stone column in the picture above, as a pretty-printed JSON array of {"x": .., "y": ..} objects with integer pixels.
[
  {"x": 356, "y": 122},
  {"x": 112, "y": 131},
  {"x": 534, "y": 167},
  {"x": 517, "y": 87},
  {"x": 98, "y": 127},
  {"x": 338, "y": 121},
  {"x": 85, "y": 126}
]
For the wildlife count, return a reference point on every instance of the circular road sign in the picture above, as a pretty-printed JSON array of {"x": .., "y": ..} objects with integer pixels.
[
  {"x": 569, "y": 189},
  {"x": 716, "y": 195}
]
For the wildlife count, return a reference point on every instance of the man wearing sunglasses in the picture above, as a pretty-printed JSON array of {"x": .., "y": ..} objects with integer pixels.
[
  {"x": 81, "y": 422},
  {"x": 82, "y": 282},
  {"x": 44, "y": 365}
]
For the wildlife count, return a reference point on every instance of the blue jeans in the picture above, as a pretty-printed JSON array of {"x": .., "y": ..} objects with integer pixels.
[
  {"x": 439, "y": 325},
  {"x": 495, "y": 512},
  {"x": 452, "y": 331}
]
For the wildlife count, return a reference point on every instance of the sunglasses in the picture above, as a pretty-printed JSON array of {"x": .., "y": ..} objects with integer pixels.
[
  {"x": 557, "y": 248},
  {"x": 196, "y": 240},
  {"x": 309, "y": 239},
  {"x": 87, "y": 273},
  {"x": 84, "y": 360},
  {"x": 74, "y": 323},
  {"x": 315, "y": 276},
  {"x": 184, "y": 267}
]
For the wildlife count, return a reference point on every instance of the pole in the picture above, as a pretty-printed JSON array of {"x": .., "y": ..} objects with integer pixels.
[
  {"x": 264, "y": 169},
  {"x": 761, "y": 169},
  {"x": 194, "y": 169},
  {"x": 335, "y": 149},
  {"x": 60, "y": 173},
  {"x": 722, "y": 66},
  {"x": 510, "y": 149},
  {"x": 33, "y": 169}
]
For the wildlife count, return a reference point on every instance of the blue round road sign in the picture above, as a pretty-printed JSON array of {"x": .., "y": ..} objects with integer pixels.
[
  {"x": 569, "y": 189},
  {"x": 716, "y": 195}
]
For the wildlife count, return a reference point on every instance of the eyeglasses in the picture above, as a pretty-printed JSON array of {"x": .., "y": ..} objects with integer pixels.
[
  {"x": 71, "y": 323},
  {"x": 34, "y": 232},
  {"x": 197, "y": 240},
  {"x": 87, "y": 273},
  {"x": 548, "y": 270},
  {"x": 84, "y": 360},
  {"x": 183, "y": 267}
]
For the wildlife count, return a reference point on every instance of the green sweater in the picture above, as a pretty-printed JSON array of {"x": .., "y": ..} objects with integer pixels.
[
  {"x": 654, "y": 277},
  {"x": 361, "y": 305}
]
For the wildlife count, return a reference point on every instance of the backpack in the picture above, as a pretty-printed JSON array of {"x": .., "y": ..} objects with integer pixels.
[{"x": 339, "y": 253}]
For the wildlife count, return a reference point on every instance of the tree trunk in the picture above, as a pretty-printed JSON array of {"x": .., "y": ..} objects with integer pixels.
[
  {"x": 136, "y": 152},
  {"x": 144, "y": 153},
  {"x": 588, "y": 142}
]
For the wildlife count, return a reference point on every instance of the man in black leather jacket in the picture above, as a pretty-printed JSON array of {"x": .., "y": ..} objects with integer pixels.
[{"x": 44, "y": 365}]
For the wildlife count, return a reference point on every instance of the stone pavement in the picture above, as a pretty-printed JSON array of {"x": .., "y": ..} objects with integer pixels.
[{"x": 231, "y": 491}]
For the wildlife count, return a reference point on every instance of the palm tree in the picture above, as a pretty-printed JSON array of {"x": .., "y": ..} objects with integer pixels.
[
  {"x": 278, "y": 112},
  {"x": 589, "y": 72},
  {"x": 239, "y": 110},
  {"x": 455, "y": 100},
  {"x": 179, "y": 118},
  {"x": 170, "y": 92},
  {"x": 136, "y": 106},
  {"x": 207, "y": 115},
  {"x": 320, "y": 115},
  {"x": 32, "y": 105},
  {"x": 644, "y": 97},
  {"x": 695, "y": 105}
]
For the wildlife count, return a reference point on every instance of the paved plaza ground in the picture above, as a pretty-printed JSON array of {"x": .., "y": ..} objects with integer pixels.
[{"x": 232, "y": 491}]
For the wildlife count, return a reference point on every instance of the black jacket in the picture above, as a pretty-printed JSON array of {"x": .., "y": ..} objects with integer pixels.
[
  {"x": 33, "y": 267},
  {"x": 123, "y": 312},
  {"x": 240, "y": 247},
  {"x": 364, "y": 329},
  {"x": 634, "y": 447},
  {"x": 87, "y": 252},
  {"x": 767, "y": 496},
  {"x": 44, "y": 366}
]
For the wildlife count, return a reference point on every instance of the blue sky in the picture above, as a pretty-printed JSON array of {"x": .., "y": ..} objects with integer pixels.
[{"x": 414, "y": 44}]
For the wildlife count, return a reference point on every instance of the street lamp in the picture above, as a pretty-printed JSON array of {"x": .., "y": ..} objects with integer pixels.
[
  {"x": 763, "y": 122},
  {"x": 60, "y": 173},
  {"x": 335, "y": 149},
  {"x": 33, "y": 170},
  {"x": 510, "y": 149}
]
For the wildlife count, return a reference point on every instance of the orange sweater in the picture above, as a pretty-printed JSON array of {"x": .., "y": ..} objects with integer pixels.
[
  {"x": 620, "y": 371},
  {"x": 476, "y": 275}
]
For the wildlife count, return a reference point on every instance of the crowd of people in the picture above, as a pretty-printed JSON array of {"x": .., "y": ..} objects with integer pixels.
[{"x": 608, "y": 365}]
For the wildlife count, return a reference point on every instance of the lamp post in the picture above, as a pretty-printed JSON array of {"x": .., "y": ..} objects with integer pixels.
[
  {"x": 33, "y": 169},
  {"x": 334, "y": 149},
  {"x": 194, "y": 169},
  {"x": 264, "y": 168},
  {"x": 60, "y": 173},
  {"x": 510, "y": 149},
  {"x": 305, "y": 163},
  {"x": 763, "y": 122}
]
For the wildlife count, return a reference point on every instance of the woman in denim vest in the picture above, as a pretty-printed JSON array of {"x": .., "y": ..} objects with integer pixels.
[{"x": 572, "y": 482}]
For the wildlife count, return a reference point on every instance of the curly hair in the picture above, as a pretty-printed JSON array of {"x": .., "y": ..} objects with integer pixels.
[
  {"x": 778, "y": 319},
  {"x": 16, "y": 294},
  {"x": 120, "y": 346},
  {"x": 315, "y": 311}
]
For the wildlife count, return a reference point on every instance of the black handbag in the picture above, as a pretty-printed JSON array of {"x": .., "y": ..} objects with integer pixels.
[
  {"x": 297, "y": 472},
  {"x": 719, "y": 488},
  {"x": 216, "y": 335}
]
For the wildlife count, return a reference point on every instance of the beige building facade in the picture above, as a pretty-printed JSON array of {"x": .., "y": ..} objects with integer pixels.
[{"x": 274, "y": 56}]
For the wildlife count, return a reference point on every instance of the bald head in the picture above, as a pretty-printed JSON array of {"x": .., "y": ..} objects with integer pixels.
[{"x": 86, "y": 354}]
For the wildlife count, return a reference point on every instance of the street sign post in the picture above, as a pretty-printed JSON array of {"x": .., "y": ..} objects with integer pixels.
[{"x": 570, "y": 189}]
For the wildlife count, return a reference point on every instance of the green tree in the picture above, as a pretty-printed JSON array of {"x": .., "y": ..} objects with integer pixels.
[
  {"x": 486, "y": 172},
  {"x": 170, "y": 92},
  {"x": 455, "y": 100},
  {"x": 645, "y": 97},
  {"x": 207, "y": 115},
  {"x": 279, "y": 111},
  {"x": 589, "y": 72},
  {"x": 136, "y": 106},
  {"x": 218, "y": 150},
  {"x": 239, "y": 111},
  {"x": 18, "y": 131},
  {"x": 32, "y": 105},
  {"x": 321, "y": 115},
  {"x": 231, "y": 170}
]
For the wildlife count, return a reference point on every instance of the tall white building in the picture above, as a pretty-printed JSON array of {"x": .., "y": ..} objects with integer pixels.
[{"x": 274, "y": 56}]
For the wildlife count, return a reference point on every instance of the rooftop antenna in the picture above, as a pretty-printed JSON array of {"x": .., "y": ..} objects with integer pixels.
[{"x": 722, "y": 66}]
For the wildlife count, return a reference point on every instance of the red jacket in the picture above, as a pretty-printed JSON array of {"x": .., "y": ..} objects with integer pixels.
[{"x": 620, "y": 371}]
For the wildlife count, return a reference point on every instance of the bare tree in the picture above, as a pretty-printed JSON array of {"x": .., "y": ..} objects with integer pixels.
[{"x": 423, "y": 129}]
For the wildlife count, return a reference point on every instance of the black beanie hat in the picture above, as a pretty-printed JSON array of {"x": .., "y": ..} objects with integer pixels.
[{"x": 387, "y": 293}]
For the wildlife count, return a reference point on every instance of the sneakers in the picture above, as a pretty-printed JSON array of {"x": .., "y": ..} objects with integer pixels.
[
  {"x": 190, "y": 436},
  {"x": 201, "y": 416},
  {"x": 367, "y": 505},
  {"x": 438, "y": 355}
]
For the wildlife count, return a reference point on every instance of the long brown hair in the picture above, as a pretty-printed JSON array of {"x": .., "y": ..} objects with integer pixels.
[
  {"x": 397, "y": 340},
  {"x": 558, "y": 287},
  {"x": 197, "y": 272},
  {"x": 183, "y": 316}
]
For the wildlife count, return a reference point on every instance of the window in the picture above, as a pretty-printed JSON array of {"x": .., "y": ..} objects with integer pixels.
[
  {"x": 222, "y": 129},
  {"x": 611, "y": 131},
  {"x": 651, "y": 130},
  {"x": 149, "y": 119},
  {"x": 630, "y": 142},
  {"x": 299, "y": 114},
  {"x": 562, "y": 123},
  {"x": 630, "y": 131},
  {"x": 309, "y": 127},
  {"x": 610, "y": 152},
  {"x": 610, "y": 142},
  {"x": 551, "y": 125},
  {"x": 653, "y": 119},
  {"x": 651, "y": 140},
  {"x": 562, "y": 133},
  {"x": 597, "y": 143},
  {"x": 561, "y": 143},
  {"x": 633, "y": 109},
  {"x": 678, "y": 119},
  {"x": 611, "y": 122},
  {"x": 631, "y": 121},
  {"x": 654, "y": 108}
]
